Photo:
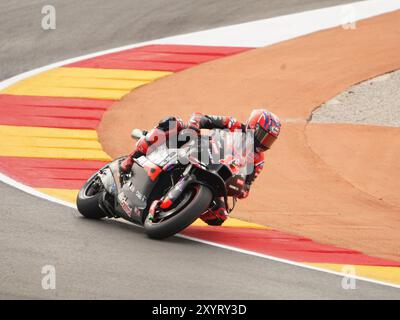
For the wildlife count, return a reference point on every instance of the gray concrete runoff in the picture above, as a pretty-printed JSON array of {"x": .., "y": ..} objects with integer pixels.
[{"x": 373, "y": 102}]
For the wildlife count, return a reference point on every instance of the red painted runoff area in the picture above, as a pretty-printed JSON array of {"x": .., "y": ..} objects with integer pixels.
[
  {"x": 49, "y": 173},
  {"x": 52, "y": 112},
  {"x": 285, "y": 246}
]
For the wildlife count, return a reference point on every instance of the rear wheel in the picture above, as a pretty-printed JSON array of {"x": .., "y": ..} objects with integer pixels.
[
  {"x": 89, "y": 197},
  {"x": 167, "y": 223}
]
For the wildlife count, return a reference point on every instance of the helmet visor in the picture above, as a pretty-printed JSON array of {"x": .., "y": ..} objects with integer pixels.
[{"x": 264, "y": 139}]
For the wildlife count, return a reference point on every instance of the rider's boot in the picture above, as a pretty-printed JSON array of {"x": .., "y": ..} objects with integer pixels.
[
  {"x": 141, "y": 148},
  {"x": 216, "y": 215},
  {"x": 127, "y": 163}
]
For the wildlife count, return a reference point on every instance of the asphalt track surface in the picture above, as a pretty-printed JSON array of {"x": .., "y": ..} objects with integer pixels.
[{"x": 110, "y": 259}]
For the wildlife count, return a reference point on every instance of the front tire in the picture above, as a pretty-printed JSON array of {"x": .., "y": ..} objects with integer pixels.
[
  {"x": 199, "y": 204},
  {"x": 88, "y": 200}
]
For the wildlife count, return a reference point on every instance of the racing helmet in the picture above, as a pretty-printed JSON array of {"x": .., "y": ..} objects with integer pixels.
[{"x": 266, "y": 126}]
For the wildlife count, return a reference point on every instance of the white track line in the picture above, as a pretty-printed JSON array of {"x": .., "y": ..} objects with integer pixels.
[
  {"x": 293, "y": 263},
  {"x": 251, "y": 34},
  {"x": 273, "y": 30},
  {"x": 34, "y": 192}
]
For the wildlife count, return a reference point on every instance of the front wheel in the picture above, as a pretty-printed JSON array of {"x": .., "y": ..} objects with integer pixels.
[
  {"x": 195, "y": 201},
  {"x": 89, "y": 197}
]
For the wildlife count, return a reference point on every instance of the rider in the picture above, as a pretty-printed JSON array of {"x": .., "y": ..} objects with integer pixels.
[{"x": 266, "y": 128}]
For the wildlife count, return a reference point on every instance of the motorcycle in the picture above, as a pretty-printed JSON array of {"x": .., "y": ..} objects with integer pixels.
[{"x": 166, "y": 190}]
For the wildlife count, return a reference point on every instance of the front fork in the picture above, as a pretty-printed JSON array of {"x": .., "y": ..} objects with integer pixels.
[{"x": 175, "y": 192}]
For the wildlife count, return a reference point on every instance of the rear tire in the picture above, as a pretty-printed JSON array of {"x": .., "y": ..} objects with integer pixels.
[
  {"x": 88, "y": 205},
  {"x": 164, "y": 229}
]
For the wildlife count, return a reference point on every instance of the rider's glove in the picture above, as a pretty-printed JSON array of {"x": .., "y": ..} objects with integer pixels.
[
  {"x": 195, "y": 128},
  {"x": 187, "y": 135},
  {"x": 194, "y": 123},
  {"x": 126, "y": 164}
]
